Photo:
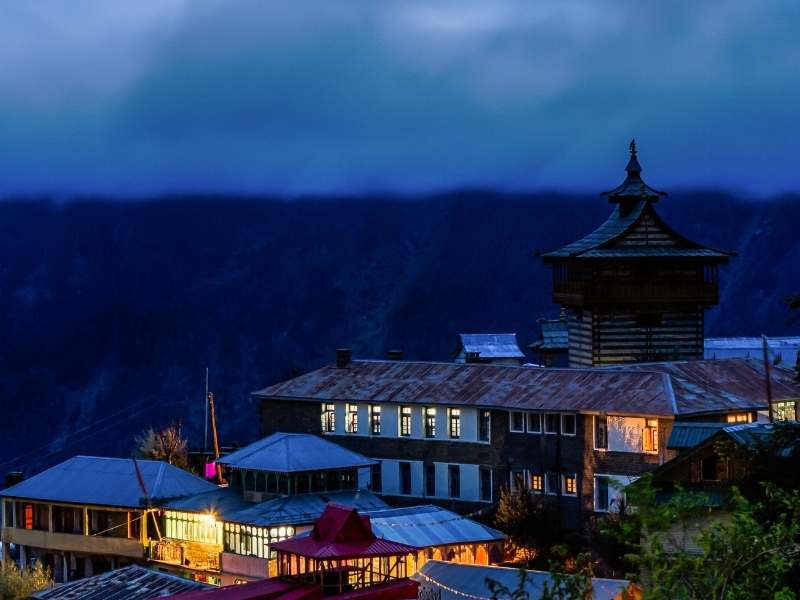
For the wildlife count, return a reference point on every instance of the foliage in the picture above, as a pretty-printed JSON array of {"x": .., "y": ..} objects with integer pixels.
[
  {"x": 529, "y": 521},
  {"x": 571, "y": 583},
  {"x": 745, "y": 552},
  {"x": 168, "y": 445},
  {"x": 17, "y": 583}
]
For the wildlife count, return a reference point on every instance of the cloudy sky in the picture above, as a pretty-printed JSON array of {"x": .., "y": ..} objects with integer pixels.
[{"x": 257, "y": 96}]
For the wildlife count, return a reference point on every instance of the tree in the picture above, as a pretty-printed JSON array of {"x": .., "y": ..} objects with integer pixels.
[
  {"x": 574, "y": 583},
  {"x": 529, "y": 521},
  {"x": 745, "y": 552},
  {"x": 168, "y": 445},
  {"x": 16, "y": 583}
]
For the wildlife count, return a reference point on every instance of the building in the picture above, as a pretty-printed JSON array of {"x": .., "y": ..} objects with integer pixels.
[
  {"x": 552, "y": 347},
  {"x": 455, "y": 434},
  {"x": 89, "y": 514},
  {"x": 490, "y": 348},
  {"x": 449, "y": 581},
  {"x": 128, "y": 583},
  {"x": 635, "y": 288},
  {"x": 783, "y": 351}
]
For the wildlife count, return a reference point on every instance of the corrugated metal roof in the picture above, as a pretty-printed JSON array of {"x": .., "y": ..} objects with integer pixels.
[
  {"x": 293, "y": 453},
  {"x": 108, "y": 482},
  {"x": 454, "y": 581},
  {"x": 303, "y": 509},
  {"x": 427, "y": 526},
  {"x": 129, "y": 583},
  {"x": 554, "y": 334},
  {"x": 222, "y": 502},
  {"x": 659, "y": 389},
  {"x": 686, "y": 434},
  {"x": 783, "y": 351},
  {"x": 491, "y": 345}
]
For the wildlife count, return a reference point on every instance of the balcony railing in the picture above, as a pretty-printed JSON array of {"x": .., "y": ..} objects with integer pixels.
[
  {"x": 601, "y": 292},
  {"x": 193, "y": 555}
]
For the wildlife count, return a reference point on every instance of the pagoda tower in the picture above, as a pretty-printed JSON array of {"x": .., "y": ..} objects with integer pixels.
[{"x": 635, "y": 289}]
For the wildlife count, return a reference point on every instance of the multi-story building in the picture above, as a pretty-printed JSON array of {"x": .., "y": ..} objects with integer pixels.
[{"x": 454, "y": 434}]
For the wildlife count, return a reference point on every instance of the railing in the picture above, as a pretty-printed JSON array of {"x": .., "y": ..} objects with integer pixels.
[
  {"x": 645, "y": 291},
  {"x": 193, "y": 555}
]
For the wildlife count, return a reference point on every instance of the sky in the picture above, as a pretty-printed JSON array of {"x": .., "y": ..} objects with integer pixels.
[{"x": 408, "y": 96}]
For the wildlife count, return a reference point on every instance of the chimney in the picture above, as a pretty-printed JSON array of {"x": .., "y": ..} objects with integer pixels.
[
  {"x": 472, "y": 357},
  {"x": 13, "y": 478},
  {"x": 344, "y": 357},
  {"x": 394, "y": 355}
]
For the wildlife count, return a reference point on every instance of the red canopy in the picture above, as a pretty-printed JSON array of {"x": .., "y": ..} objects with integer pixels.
[{"x": 340, "y": 532}]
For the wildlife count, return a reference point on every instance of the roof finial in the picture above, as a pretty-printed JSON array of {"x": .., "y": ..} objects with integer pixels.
[
  {"x": 633, "y": 168},
  {"x": 633, "y": 147}
]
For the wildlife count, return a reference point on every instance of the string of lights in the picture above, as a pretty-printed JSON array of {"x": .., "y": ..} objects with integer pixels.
[
  {"x": 440, "y": 521},
  {"x": 125, "y": 524},
  {"x": 452, "y": 590}
]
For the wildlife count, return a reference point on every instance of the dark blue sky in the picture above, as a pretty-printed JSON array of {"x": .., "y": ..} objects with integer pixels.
[{"x": 352, "y": 96}]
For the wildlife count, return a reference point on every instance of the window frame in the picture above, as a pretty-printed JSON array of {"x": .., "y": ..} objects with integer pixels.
[
  {"x": 374, "y": 411},
  {"x": 528, "y": 428},
  {"x": 574, "y": 424},
  {"x": 511, "y": 415},
  {"x": 454, "y": 418},
  {"x": 569, "y": 476},
  {"x": 405, "y": 418},
  {"x": 451, "y": 469},
  {"x": 481, "y": 472},
  {"x": 484, "y": 425},
  {"x": 350, "y": 418},
  {"x": 597, "y": 419},
  {"x": 558, "y": 423},
  {"x": 536, "y": 477},
  {"x": 402, "y": 467},
  {"x": 328, "y": 417},
  {"x": 429, "y": 418},
  {"x": 514, "y": 484},
  {"x": 430, "y": 480},
  {"x": 376, "y": 469},
  {"x": 547, "y": 487},
  {"x": 650, "y": 436},
  {"x": 597, "y": 479}
]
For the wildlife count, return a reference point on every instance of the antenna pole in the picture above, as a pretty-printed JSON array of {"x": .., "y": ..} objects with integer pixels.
[
  {"x": 768, "y": 379},
  {"x": 205, "y": 421}
]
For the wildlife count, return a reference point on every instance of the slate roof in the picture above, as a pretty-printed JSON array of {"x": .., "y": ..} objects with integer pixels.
[
  {"x": 129, "y": 583},
  {"x": 457, "y": 581},
  {"x": 554, "y": 333},
  {"x": 656, "y": 389},
  {"x": 304, "y": 508},
  {"x": 294, "y": 453},
  {"x": 688, "y": 434},
  {"x": 491, "y": 345},
  {"x": 427, "y": 526},
  {"x": 108, "y": 482}
]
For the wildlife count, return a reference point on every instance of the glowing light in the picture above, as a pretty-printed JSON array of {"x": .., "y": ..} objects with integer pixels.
[{"x": 208, "y": 518}]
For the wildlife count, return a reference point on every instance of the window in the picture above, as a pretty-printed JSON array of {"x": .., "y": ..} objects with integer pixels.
[
  {"x": 517, "y": 480},
  {"x": 376, "y": 479},
  {"x": 601, "y": 499},
  {"x": 534, "y": 423},
  {"x": 568, "y": 424},
  {"x": 784, "y": 411},
  {"x": 484, "y": 425},
  {"x": 486, "y": 484},
  {"x": 405, "y": 478},
  {"x": 375, "y": 419},
  {"x": 551, "y": 483},
  {"x": 712, "y": 468},
  {"x": 405, "y": 421},
  {"x": 328, "y": 418},
  {"x": 430, "y": 422},
  {"x": 570, "y": 484},
  {"x": 8, "y": 513},
  {"x": 738, "y": 418},
  {"x": 351, "y": 418},
  {"x": 601, "y": 432},
  {"x": 430, "y": 480},
  {"x": 455, "y": 423},
  {"x": 536, "y": 482},
  {"x": 650, "y": 438},
  {"x": 517, "y": 421},
  {"x": 551, "y": 423},
  {"x": 454, "y": 480}
]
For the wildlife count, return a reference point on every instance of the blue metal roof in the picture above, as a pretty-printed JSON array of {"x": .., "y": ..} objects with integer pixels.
[
  {"x": 304, "y": 509},
  {"x": 293, "y": 453},
  {"x": 108, "y": 482},
  {"x": 457, "y": 581},
  {"x": 221, "y": 501},
  {"x": 425, "y": 526},
  {"x": 491, "y": 345},
  {"x": 688, "y": 435}
]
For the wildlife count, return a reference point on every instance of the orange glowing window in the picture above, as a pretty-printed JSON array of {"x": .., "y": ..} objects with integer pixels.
[{"x": 28, "y": 516}]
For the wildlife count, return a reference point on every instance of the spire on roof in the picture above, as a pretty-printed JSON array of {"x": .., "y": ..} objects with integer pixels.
[
  {"x": 633, "y": 163},
  {"x": 633, "y": 187}
]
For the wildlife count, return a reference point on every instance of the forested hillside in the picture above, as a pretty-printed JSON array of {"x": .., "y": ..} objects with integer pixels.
[{"x": 112, "y": 310}]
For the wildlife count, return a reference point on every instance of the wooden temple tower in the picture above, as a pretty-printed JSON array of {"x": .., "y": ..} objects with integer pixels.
[{"x": 636, "y": 289}]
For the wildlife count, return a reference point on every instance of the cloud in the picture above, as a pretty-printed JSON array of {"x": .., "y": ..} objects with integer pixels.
[{"x": 406, "y": 95}]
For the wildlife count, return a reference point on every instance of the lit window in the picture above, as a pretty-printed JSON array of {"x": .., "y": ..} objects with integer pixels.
[
  {"x": 784, "y": 411},
  {"x": 405, "y": 421},
  {"x": 430, "y": 422},
  {"x": 650, "y": 439},
  {"x": 455, "y": 423},
  {"x": 375, "y": 419},
  {"x": 738, "y": 418},
  {"x": 484, "y": 425},
  {"x": 534, "y": 423},
  {"x": 601, "y": 432},
  {"x": 351, "y": 418},
  {"x": 551, "y": 423},
  {"x": 568, "y": 424},
  {"x": 536, "y": 482},
  {"x": 517, "y": 422},
  {"x": 328, "y": 418},
  {"x": 570, "y": 485}
]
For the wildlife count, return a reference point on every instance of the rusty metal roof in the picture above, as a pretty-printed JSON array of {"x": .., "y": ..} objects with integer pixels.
[{"x": 658, "y": 389}]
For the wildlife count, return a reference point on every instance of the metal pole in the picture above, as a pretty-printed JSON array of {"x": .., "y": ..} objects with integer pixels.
[
  {"x": 768, "y": 379},
  {"x": 205, "y": 422}
]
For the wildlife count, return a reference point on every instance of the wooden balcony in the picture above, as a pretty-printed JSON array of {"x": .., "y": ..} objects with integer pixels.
[
  {"x": 192, "y": 555},
  {"x": 72, "y": 542},
  {"x": 588, "y": 293}
]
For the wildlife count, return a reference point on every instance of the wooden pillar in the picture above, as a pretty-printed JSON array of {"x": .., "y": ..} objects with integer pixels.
[
  {"x": 50, "y": 518},
  {"x": 65, "y": 567},
  {"x": 85, "y": 521}
]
